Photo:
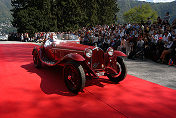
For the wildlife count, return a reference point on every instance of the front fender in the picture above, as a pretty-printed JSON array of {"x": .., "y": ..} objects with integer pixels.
[
  {"x": 74, "y": 56},
  {"x": 119, "y": 54},
  {"x": 35, "y": 49}
]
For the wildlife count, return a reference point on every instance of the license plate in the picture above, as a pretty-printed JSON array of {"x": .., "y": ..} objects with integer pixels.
[{"x": 100, "y": 74}]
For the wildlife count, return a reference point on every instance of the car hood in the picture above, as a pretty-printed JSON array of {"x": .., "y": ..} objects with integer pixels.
[{"x": 73, "y": 46}]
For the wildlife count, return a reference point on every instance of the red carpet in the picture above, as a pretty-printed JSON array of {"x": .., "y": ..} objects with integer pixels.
[{"x": 26, "y": 92}]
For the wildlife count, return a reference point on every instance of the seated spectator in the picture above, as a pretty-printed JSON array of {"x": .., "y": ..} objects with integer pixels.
[
  {"x": 159, "y": 49},
  {"x": 151, "y": 32},
  {"x": 165, "y": 37},
  {"x": 167, "y": 49},
  {"x": 155, "y": 37},
  {"x": 173, "y": 51},
  {"x": 147, "y": 49}
]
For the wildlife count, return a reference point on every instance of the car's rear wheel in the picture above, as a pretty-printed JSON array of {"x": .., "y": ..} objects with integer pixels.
[
  {"x": 74, "y": 77},
  {"x": 121, "y": 73},
  {"x": 36, "y": 59}
]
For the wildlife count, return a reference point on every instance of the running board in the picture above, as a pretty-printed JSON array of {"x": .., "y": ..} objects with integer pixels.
[{"x": 49, "y": 62}]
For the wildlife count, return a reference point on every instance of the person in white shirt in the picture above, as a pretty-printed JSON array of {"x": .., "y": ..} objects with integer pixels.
[
  {"x": 140, "y": 43},
  {"x": 165, "y": 37},
  {"x": 167, "y": 49},
  {"x": 128, "y": 26},
  {"x": 155, "y": 37},
  {"x": 22, "y": 37}
]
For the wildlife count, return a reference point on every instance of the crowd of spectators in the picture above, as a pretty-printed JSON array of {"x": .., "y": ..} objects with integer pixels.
[{"x": 156, "y": 41}]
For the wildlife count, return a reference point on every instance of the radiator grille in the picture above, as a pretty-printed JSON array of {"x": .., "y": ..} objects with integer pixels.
[{"x": 97, "y": 58}]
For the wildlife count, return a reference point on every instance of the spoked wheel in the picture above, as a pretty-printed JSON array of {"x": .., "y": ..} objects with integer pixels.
[
  {"x": 122, "y": 71},
  {"x": 36, "y": 60},
  {"x": 74, "y": 76}
]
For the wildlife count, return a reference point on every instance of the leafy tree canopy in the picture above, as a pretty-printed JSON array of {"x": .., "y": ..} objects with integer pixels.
[
  {"x": 60, "y": 15},
  {"x": 140, "y": 13}
]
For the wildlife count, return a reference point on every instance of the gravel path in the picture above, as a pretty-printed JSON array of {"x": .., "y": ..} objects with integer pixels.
[{"x": 161, "y": 74}]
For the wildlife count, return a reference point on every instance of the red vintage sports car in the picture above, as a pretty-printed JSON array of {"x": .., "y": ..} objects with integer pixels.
[{"x": 79, "y": 60}]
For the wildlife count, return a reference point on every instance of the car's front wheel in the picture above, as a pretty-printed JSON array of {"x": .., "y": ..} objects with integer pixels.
[
  {"x": 122, "y": 71},
  {"x": 74, "y": 77},
  {"x": 36, "y": 59}
]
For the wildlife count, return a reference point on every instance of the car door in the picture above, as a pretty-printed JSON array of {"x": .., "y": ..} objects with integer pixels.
[{"x": 49, "y": 50}]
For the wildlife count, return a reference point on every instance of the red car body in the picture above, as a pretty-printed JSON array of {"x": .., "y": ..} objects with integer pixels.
[{"x": 93, "y": 61}]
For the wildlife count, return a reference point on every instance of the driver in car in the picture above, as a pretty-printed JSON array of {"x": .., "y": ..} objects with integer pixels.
[
  {"x": 49, "y": 41},
  {"x": 66, "y": 37}
]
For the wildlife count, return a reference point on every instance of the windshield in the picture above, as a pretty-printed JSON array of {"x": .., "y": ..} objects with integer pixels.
[{"x": 67, "y": 37}]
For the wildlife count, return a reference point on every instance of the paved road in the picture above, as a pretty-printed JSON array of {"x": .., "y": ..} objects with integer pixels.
[
  {"x": 148, "y": 70},
  {"x": 154, "y": 72}
]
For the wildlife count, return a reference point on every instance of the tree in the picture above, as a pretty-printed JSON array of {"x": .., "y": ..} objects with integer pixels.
[
  {"x": 107, "y": 11},
  {"x": 140, "y": 13},
  {"x": 70, "y": 15},
  {"x": 60, "y": 15},
  {"x": 33, "y": 16}
]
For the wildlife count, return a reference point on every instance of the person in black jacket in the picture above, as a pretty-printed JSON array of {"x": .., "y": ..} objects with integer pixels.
[
  {"x": 173, "y": 51},
  {"x": 174, "y": 25}
]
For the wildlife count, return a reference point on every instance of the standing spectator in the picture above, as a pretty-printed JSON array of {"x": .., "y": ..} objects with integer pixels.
[
  {"x": 166, "y": 19},
  {"x": 27, "y": 37},
  {"x": 86, "y": 39},
  {"x": 22, "y": 37},
  {"x": 140, "y": 43},
  {"x": 123, "y": 44},
  {"x": 95, "y": 40},
  {"x": 149, "y": 22},
  {"x": 128, "y": 46},
  {"x": 174, "y": 24},
  {"x": 159, "y": 21},
  {"x": 105, "y": 43},
  {"x": 173, "y": 34}
]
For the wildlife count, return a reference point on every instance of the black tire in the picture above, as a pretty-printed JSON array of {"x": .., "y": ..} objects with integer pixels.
[
  {"x": 36, "y": 59},
  {"x": 74, "y": 77},
  {"x": 123, "y": 72}
]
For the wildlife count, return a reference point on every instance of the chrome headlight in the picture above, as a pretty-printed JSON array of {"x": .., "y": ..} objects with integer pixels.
[
  {"x": 110, "y": 51},
  {"x": 88, "y": 53}
]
